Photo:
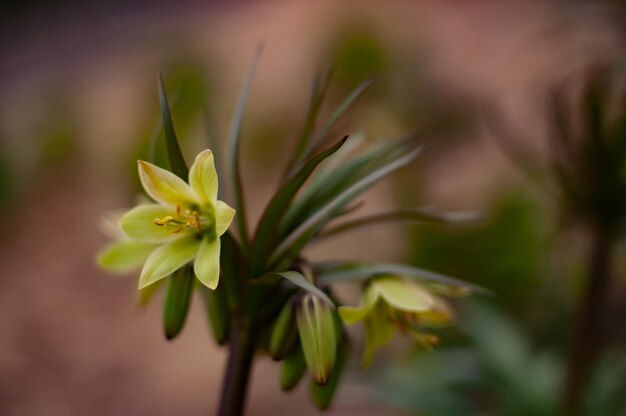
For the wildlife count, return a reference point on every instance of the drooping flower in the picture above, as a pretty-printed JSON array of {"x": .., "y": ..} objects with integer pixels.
[
  {"x": 184, "y": 225},
  {"x": 393, "y": 303}
]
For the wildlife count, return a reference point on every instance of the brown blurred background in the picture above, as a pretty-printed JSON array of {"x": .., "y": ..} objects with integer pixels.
[{"x": 78, "y": 104}]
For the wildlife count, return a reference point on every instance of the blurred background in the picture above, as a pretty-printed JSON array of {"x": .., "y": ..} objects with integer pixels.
[{"x": 79, "y": 104}]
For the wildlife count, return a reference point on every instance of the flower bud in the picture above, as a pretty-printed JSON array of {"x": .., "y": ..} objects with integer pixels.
[
  {"x": 217, "y": 313},
  {"x": 292, "y": 370},
  {"x": 177, "y": 301},
  {"x": 317, "y": 336},
  {"x": 322, "y": 396},
  {"x": 284, "y": 331}
]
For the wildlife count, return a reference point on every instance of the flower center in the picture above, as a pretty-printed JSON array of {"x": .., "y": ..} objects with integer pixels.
[{"x": 188, "y": 219}]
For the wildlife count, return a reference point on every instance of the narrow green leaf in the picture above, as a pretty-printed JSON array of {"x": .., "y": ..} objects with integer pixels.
[
  {"x": 318, "y": 93},
  {"x": 265, "y": 234},
  {"x": 299, "y": 280},
  {"x": 322, "y": 215},
  {"x": 233, "y": 142},
  {"x": 177, "y": 300},
  {"x": 337, "y": 272},
  {"x": 340, "y": 111},
  {"x": 409, "y": 216},
  {"x": 292, "y": 370},
  {"x": 177, "y": 161},
  {"x": 218, "y": 313},
  {"x": 329, "y": 184}
]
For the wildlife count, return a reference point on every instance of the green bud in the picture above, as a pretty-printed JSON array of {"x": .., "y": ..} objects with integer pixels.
[
  {"x": 284, "y": 331},
  {"x": 292, "y": 370},
  {"x": 217, "y": 313},
  {"x": 177, "y": 301},
  {"x": 316, "y": 327},
  {"x": 322, "y": 395}
]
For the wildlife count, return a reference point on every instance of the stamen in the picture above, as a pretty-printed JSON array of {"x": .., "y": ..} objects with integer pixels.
[
  {"x": 164, "y": 221},
  {"x": 167, "y": 222},
  {"x": 197, "y": 215},
  {"x": 192, "y": 220}
]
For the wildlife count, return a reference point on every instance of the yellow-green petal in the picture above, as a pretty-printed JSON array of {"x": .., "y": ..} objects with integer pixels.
[
  {"x": 440, "y": 315},
  {"x": 165, "y": 187},
  {"x": 207, "y": 264},
  {"x": 138, "y": 223},
  {"x": 125, "y": 256},
  {"x": 203, "y": 178},
  {"x": 378, "y": 333},
  {"x": 168, "y": 258},
  {"x": 223, "y": 217},
  {"x": 351, "y": 315},
  {"x": 404, "y": 295}
]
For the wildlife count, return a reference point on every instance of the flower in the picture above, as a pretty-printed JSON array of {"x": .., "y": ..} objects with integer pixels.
[
  {"x": 393, "y": 303},
  {"x": 184, "y": 225}
]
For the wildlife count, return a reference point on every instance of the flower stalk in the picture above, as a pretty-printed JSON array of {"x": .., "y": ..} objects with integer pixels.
[{"x": 237, "y": 375}]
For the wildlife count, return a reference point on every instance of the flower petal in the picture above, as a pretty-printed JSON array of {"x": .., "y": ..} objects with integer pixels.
[
  {"x": 168, "y": 258},
  {"x": 125, "y": 256},
  {"x": 404, "y": 295},
  {"x": 351, "y": 315},
  {"x": 203, "y": 178},
  {"x": 207, "y": 264},
  {"x": 378, "y": 333},
  {"x": 441, "y": 315},
  {"x": 223, "y": 217},
  {"x": 164, "y": 186},
  {"x": 138, "y": 223}
]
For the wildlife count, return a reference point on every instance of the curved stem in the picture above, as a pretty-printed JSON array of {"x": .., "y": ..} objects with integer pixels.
[
  {"x": 588, "y": 338},
  {"x": 235, "y": 385}
]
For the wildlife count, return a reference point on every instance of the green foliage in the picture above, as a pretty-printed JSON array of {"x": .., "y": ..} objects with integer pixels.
[{"x": 508, "y": 252}]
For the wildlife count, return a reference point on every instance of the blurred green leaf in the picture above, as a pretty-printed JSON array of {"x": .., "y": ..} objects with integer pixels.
[
  {"x": 408, "y": 216},
  {"x": 508, "y": 252},
  {"x": 324, "y": 213},
  {"x": 175, "y": 156},
  {"x": 319, "y": 90},
  {"x": 233, "y": 143},
  {"x": 265, "y": 235},
  {"x": 339, "y": 271},
  {"x": 340, "y": 111},
  {"x": 299, "y": 280}
]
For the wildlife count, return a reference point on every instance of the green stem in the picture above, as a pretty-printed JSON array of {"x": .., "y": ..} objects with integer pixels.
[
  {"x": 588, "y": 338},
  {"x": 235, "y": 385}
]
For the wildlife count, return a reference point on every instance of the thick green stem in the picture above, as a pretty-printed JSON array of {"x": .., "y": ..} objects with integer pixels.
[
  {"x": 588, "y": 338},
  {"x": 235, "y": 385}
]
